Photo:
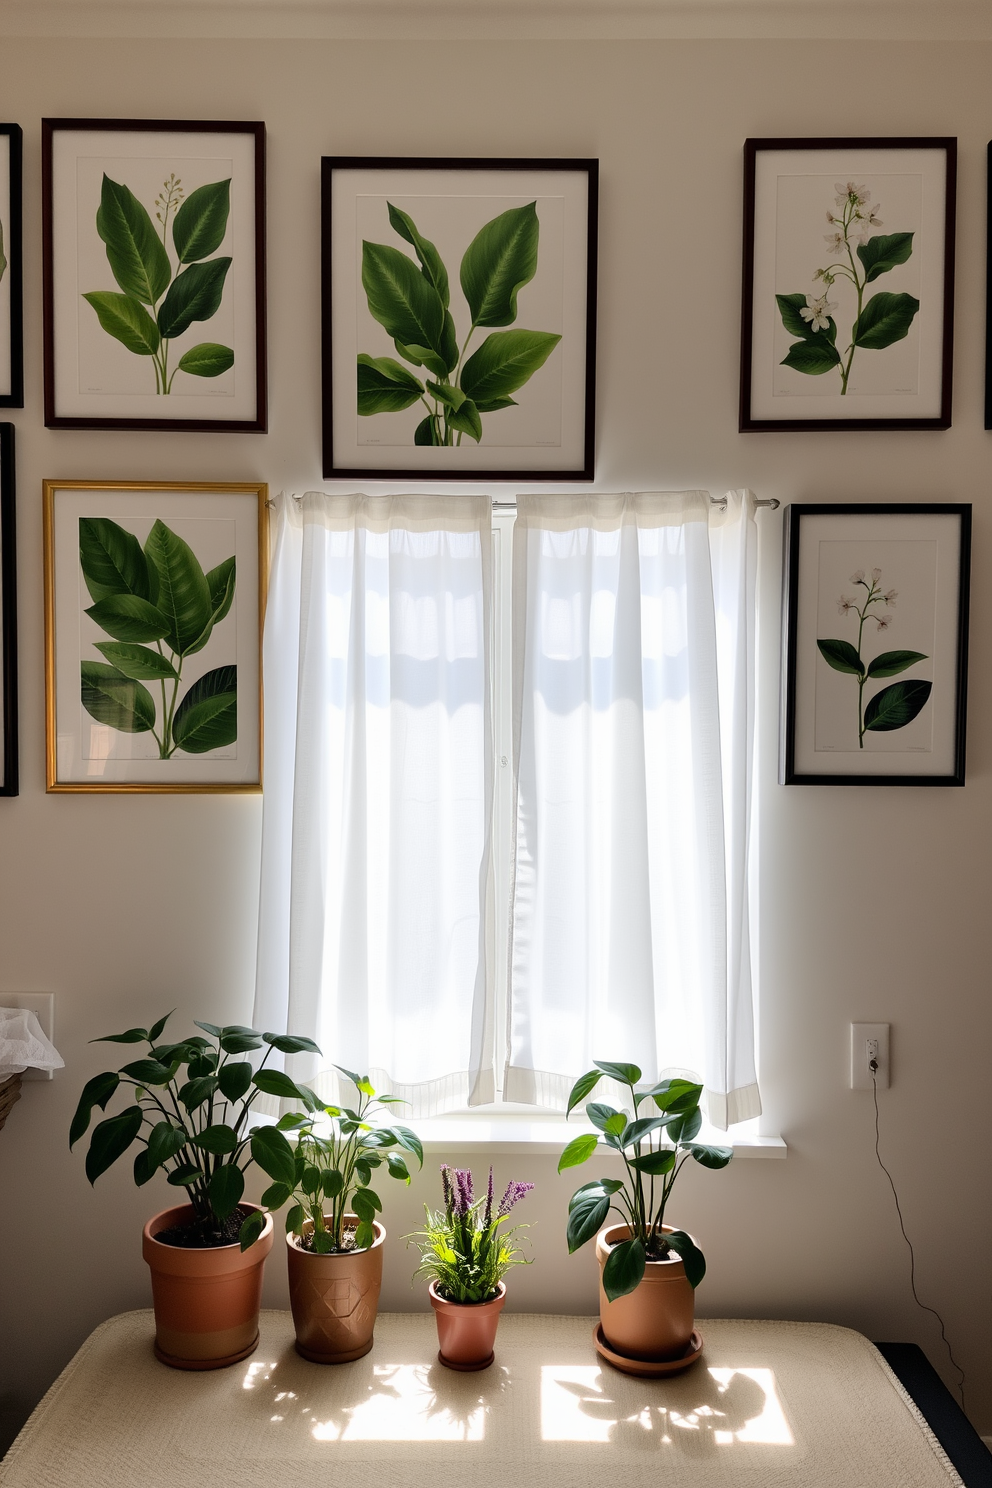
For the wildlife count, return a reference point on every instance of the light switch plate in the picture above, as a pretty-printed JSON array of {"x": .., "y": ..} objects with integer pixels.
[
  {"x": 863, "y": 1037},
  {"x": 42, "y": 1004}
]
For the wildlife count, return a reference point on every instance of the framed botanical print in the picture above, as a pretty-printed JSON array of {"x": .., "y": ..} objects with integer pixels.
[
  {"x": 154, "y": 274},
  {"x": 154, "y": 595},
  {"x": 876, "y": 647},
  {"x": 459, "y": 318},
  {"x": 8, "y": 617},
  {"x": 848, "y": 286},
  {"x": 11, "y": 329}
]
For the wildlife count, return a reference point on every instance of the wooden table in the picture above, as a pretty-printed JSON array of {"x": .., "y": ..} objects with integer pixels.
[{"x": 769, "y": 1405}]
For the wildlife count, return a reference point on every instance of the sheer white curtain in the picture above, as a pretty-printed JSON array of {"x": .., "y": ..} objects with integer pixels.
[
  {"x": 378, "y": 793},
  {"x": 633, "y": 658}
]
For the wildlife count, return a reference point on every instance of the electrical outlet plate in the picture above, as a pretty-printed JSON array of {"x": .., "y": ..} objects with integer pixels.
[
  {"x": 42, "y": 1004},
  {"x": 862, "y": 1034}
]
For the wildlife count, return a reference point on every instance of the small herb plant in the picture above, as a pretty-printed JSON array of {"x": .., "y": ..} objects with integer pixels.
[
  {"x": 337, "y": 1150},
  {"x": 160, "y": 594},
  {"x": 138, "y": 254},
  {"x": 898, "y": 704},
  {"x": 413, "y": 307},
  {"x": 862, "y": 255},
  {"x": 190, "y": 1112},
  {"x": 652, "y": 1166},
  {"x": 463, "y": 1248}
]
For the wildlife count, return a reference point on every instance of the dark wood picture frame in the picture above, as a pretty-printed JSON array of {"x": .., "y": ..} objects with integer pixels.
[
  {"x": 8, "y": 615},
  {"x": 11, "y": 220},
  {"x": 583, "y": 297},
  {"x": 939, "y": 363},
  {"x": 56, "y": 418},
  {"x": 796, "y": 601},
  {"x": 988, "y": 293}
]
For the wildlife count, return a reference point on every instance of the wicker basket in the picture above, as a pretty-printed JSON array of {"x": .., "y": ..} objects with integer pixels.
[{"x": 10, "y": 1091}]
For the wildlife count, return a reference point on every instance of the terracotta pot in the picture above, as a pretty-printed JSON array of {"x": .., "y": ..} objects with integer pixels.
[
  {"x": 335, "y": 1298},
  {"x": 654, "y": 1321},
  {"x": 206, "y": 1301},
  {"x": 466, "y": 1331}
]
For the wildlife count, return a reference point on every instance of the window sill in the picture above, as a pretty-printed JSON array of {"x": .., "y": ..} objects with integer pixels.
[{"x": 544, "y": 1136}]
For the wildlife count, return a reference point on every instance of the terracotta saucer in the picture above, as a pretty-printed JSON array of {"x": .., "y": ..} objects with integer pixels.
[
  {"x": 648, "y": 1368},
  {"x": 466, "y": 1368}
]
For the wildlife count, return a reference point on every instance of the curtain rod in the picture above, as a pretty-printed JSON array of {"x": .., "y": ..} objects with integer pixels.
[{"x": 772, "y": 502}]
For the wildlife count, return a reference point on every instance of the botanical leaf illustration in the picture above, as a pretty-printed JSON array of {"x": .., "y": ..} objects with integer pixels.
[
  {"x": 812, "y": 357},
  {"x": 890, "y": 663},
  {"x": 139, "y": 259},
  {"x": 885, "y": 252},
  {"x": 413, "y": 307},
  {"x": 842, "y": 656},
  {"x": 790, "y": 307},
  {"x": 178, "y": 609},
  {"x": 886, "y": 318},
  {"x": 895, "y": 706}
]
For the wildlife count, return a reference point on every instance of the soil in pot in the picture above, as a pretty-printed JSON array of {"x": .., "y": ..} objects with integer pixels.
[
  {"x": 206, "y": 1298},
  {"x": 335, "y": 1298},
  {"x": 653, "y": 1322},
  {"x": 466, "y": 1331},
  {"x": 197, "y": 1236}
]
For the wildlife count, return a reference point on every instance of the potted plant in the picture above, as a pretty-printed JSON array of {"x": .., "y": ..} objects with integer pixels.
[
  {"x": 189, "y": 1113},
  {"x": 466, "y": 1253},
  {"x": 648, "y": 1270},
  {"x": 333, "y": 1237}
]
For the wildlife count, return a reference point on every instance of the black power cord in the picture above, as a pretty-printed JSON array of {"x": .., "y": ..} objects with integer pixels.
[{"x": 873, "y": 1067}]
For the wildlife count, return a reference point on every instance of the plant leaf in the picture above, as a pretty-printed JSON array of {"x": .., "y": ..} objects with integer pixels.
[
  {"x": 206, "y": 359},
  {"x": 789, "y": 307},
  {"x": 207, "y": 717},
  {"x": 626, "y": 1074},
  {"x": 400, "y": 298},
  {"x": 411, "y": 1142},
  {"x": 291, "y": 1043},
  {"x": 96, "y": 1092},
  {"x": 466, "y": 419},
  {"x": 239, "y": 1043},
  {"x": 195, "y": 294},
  {"x": 599, "y": 1114},
  {"x": 275, "y": 1082},
  {"x": 586, "y": 1214},
  {"x": 675, "y": 1095},
  {"x": 499, "y": 261},
  {"x": 842, "y": 656},
  {"x": 200, "y": 224},
  {"x": 683, "y": 1128},
  {"x": 148, "y": 1072},
  {"x": 183, "y": 595},
  {"x": 655, "y": 1163},
  {"x": 422, "y": 356},
  {"x": 221, "y": 582},
  {"x": 504, "y": 362},
  {"x": 126, "y": 319},
  {"x": 583, "y": 1086},
  {"x": 397, "y": 1167},
  {"x": 897, "y": 705},
  {"x": 135, "y": 251},
  {"x": 431, "y": 264},
  {"x": 217, "y": 1139},
  {"x": 579, "y": 1150},
  {"x": 276, "y": 1195},
  {"x": 624, "y": 1268},
  {"x": 691, "y": 1256},
  {"x": 638, "y": 1130},
  {"x": 274, "y": 1155},
  {"x": 225, "y": 1189},
  {"x": 295, "y": 1218},
  {"x": 811, "y": 357},
  {"x": 111, "y": 1139},
  {"x": 116, "y": 700},
  {"x": 251, "y": 1229},
  {"x": 195, "y": 1092},
  {"x": 182, "y": 1177},
  {"x": 425, "y": 432},
  {"x": 884, "y": 252},
  {"x": 890, "y": 663},
  {"x": 112, "y": 561},
  {"x": 130, "y": 1036},
  {"x": 165, "y": 1141},
  {"x": 712, "y": 1157},
  {"x": 128, "y": 618},
  {"x": 493, "y": 405},
  {"x": 385, "y": 386},
  {"x": 138, "y": 662},
  {"x": 233, "y": 1080},
  {"x": 884, "y": 320}
]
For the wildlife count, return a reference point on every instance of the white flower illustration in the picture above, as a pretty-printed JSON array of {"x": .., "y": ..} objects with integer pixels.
[
  {"x": 876, "y": 574},
  {"x": 851, "y": 193},
  {"x": 865, "y": 222},
  {"x": 817, "y": 312},
  {"x": 835, "y": 242},
  {"x": 844, "y": 605},
  {"x": 858, "y": 576},
  {"x": 890, "y": 597},
  {"x": 882, "y": 621}
]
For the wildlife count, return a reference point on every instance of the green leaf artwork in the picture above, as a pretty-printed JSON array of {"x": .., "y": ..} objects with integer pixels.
[
  {"x": 158, "y": 607},
  {"x": 413, "y": 307},
  {"x": 901, "y": 702},
  {"x": 139, "y": 258},
  {"x": 859, "y": 257}
]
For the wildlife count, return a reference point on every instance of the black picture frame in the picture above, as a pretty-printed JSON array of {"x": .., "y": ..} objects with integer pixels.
[
  {"x": 765, "y": 391},
  {"x": 855, "y": 533},
  {"x": 344, "y": 456},
  {"x": 12, "y": 303},
  {"x": 988, "y": 292},
  {"x": 84, "y": 407},
  {"x": 8, "y": 616}
]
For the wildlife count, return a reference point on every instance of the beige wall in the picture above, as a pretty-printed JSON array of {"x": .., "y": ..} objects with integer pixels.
[{"x": 874, "y": 903}]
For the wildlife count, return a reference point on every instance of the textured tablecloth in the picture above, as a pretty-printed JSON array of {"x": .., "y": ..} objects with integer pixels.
[{"x": 801, "y": 1405}]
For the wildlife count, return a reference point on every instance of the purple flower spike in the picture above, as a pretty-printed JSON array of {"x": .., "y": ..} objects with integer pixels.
[
  {"x": 489, "y": 1200},
  {"x": 514, "y": 1192},
  {"x": 446, "y": 1185},
  {"x": 463, "y": 1192}
]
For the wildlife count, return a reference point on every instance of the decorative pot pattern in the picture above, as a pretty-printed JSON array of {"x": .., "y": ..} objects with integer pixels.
[
  {"x": 335, "y": 1299},
  {"x": 206, "y": 1301},
  {"x": 466, "y": 1331},
  {"x": 654, "y": 1321}
]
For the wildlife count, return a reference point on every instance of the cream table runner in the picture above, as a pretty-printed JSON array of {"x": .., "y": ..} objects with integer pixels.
[{"x": 769, "y": 1405}]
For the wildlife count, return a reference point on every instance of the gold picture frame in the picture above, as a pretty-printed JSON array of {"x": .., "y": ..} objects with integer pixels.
[{"x": 140, "y": 584}]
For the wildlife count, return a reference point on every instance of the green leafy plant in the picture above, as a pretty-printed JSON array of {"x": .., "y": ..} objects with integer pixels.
[
  {"x": 328, "y": 1174},
  {"x": 176, "y": 297},
  {"x": 156, "y": 594},
  {"x": 652, "y": 1165},
  {"x": 898, "y": 704},
  {"x": 190, "y": 1109},
  {"x": 463, "y": 1248},
  {"x": 863, "y": 256},
  {"x": 413, "y": 306}
]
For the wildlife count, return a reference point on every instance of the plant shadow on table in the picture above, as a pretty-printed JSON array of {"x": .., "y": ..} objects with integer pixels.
[{"x": 697, "y": 1414}]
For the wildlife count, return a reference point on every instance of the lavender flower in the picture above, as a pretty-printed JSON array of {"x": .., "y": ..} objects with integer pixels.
[
  {"x": 514, "y": 1192},
  {"x": 465, "y": 1249},
  {"x": 489, "y": 1201},
  {"x": 463, "y": 1192},
  {"x": 446, "y": 1185}
]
